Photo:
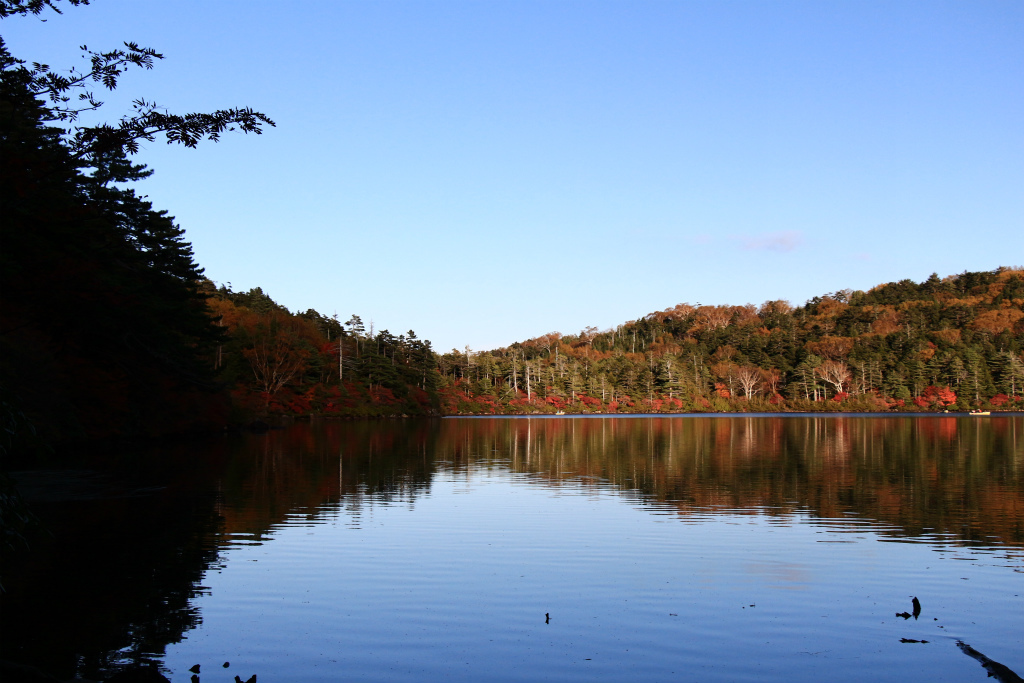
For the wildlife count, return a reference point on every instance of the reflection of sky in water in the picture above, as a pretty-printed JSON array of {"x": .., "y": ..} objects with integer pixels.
[{"x": 454, "y": 584}]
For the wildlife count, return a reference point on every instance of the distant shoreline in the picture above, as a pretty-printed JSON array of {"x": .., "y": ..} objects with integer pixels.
[{"x": 1007, "y": 413}]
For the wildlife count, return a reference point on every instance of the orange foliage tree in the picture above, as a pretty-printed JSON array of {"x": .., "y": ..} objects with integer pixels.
[{"x": 277, "y": 347}]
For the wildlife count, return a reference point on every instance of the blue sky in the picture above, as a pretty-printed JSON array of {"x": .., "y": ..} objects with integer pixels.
[{"x": 485, "y": 172}]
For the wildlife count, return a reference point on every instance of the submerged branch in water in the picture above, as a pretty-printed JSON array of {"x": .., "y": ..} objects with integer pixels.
[{"x": 998, "y": 671}]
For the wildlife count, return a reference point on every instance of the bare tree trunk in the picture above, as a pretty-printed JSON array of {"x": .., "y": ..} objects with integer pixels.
[{"x": 749, "y": 378}]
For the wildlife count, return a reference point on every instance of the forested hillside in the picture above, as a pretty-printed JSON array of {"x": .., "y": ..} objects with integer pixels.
[
  {"x": 944, "y": 344},
  {"x": 276, "y": 362}
]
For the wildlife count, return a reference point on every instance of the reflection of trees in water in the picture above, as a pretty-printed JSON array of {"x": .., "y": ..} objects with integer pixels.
[
  {"x": 109, "y": 582},
  {"x": 924, "y": 475},
  {"x": 116, "y": 582},
  {"x": 310, "y": 468},
  {"x": 920, "y": 475}
]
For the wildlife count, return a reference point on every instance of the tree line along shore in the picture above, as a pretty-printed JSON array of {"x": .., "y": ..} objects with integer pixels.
[{"x": 945, "y": 344}]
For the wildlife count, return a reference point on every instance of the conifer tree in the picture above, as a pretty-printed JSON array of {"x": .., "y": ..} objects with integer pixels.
[{"x": 104, "y": 323}]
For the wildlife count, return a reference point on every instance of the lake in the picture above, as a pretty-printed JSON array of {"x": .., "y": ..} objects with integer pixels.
[{"x": 641, "y": 548}]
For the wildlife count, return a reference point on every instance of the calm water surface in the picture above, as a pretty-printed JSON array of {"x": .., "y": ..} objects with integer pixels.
[{"x": 546, "y": 549}]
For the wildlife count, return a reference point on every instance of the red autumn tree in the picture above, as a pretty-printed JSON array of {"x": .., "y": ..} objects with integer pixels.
[
  {"x": 946, "y": 397},
  {"x": 941, "y": 397}
]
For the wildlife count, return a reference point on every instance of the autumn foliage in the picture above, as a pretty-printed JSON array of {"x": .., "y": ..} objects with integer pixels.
[
  {"x": 944, "y": 344},
  {"x": 281, "y": 363}
]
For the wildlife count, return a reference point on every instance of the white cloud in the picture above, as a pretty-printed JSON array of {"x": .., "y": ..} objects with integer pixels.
[{"x": 784, "y": 240}]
